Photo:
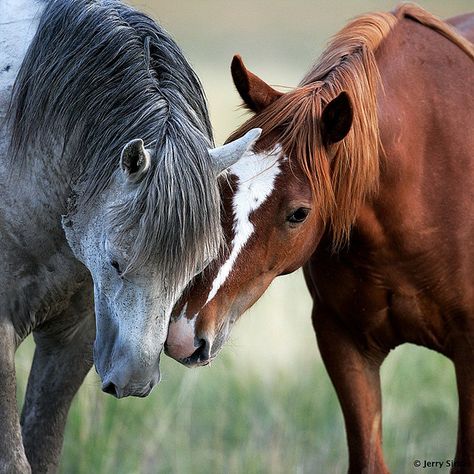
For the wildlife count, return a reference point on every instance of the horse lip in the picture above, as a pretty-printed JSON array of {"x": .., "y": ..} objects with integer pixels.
[
  {"x": 203, "y": 363},
  {"x": 144, "y": 393},
  {"x": 191, "y": 363},
  {"x": 206, "y": 362}
]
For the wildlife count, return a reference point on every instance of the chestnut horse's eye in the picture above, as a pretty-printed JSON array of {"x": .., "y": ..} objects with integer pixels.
[{"x": 298, "y": 216}]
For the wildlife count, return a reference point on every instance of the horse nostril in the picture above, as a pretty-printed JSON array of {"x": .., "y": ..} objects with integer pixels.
[
  {"x": 204, "y": 348},
  {"x": 202, "y": 354},
  {"x": 110, "y": 388}
]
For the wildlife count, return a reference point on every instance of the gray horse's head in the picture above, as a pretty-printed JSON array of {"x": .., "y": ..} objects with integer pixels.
[
  {"x": 143, "y": 242},
  {"x": 115, "y": 118}
]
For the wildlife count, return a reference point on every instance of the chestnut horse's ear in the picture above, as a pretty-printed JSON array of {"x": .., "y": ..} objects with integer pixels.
[
  {"x": 255, "y": 93},
  {"x": 336, "y": 119}
]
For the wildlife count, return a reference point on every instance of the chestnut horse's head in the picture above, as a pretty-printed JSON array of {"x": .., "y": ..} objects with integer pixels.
[{"x": 278, "y": 201}]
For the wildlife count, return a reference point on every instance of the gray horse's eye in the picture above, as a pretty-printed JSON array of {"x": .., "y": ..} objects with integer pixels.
[{"x": 116, "y": 265}]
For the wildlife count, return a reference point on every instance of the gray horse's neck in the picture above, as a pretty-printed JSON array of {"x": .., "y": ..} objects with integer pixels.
[
  {"x": 42, "y": 272},
  {"x": 35, "y": 197}
]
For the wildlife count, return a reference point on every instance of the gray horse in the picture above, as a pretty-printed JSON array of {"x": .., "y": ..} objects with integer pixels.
[{"x": 88, "y": 224}]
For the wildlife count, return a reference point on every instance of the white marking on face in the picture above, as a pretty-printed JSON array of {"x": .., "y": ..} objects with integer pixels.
[
  {"x": 256, "y": 174},
  {"x": 182, "y": 334}
]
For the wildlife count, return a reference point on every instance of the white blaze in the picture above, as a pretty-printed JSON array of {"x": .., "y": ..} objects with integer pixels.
[{"x": 256, "y": 175}]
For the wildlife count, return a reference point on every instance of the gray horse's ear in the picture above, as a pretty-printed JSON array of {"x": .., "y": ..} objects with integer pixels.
[
  {"x": 226, "y": 155},
  {"x": 135, "y": 159}
]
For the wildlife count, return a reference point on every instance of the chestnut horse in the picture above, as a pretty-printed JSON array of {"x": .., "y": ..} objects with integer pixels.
[{"x": 364, "y": 174}]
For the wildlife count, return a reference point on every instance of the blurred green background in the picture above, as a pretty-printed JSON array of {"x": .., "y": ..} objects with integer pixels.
[{"x": 266, "y": 404}]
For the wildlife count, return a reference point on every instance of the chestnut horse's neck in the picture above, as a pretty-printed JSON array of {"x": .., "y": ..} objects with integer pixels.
[
  {"x": 407, "y": 275},
  {"x": 411, "y": 237},
  {"x": 351, "y": 63}
]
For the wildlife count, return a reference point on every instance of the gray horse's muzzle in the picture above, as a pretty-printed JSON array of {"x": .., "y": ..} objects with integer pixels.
[
  {"x": 126, "y": 352},
  {"x": 123, "y": 373}
]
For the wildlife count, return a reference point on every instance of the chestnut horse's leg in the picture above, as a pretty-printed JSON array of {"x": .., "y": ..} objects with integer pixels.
[
  {"x": 355, "y": 376},
  {"x": 63, "y": 356},
  {"x": 464, "y": 365},
  {"x": 12, "y": 454}
]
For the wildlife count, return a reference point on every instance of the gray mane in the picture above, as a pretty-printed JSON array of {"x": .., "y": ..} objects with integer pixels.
[{"x": 98, "y": 74}]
